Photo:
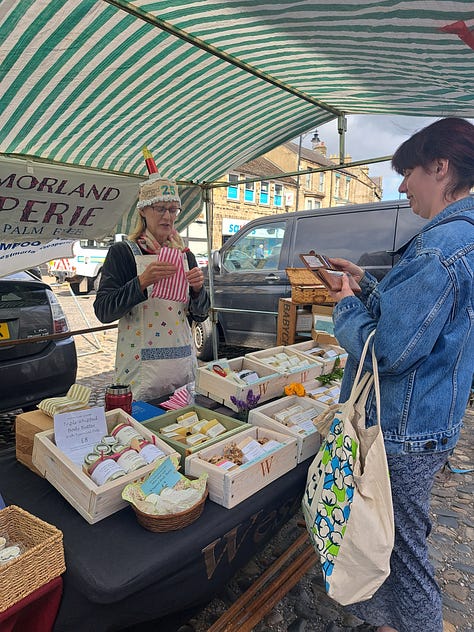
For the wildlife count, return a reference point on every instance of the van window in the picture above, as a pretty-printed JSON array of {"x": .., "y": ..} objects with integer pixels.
[
  {"x": 256, "y": 249},
  {"x": 92, "y": 243},
  {"x": 364, "y": 238}
]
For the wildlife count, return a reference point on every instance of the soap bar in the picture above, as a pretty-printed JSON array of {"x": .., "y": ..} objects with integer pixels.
[
  {"x": 195, "y": 439},
  {"x": 213, "y": 428},
  {"x": 251, "y": 449},
  {"x": 188, "y": 419}
]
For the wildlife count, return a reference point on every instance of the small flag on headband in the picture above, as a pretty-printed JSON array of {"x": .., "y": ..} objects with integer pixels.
[{"x": 149, "y": 161}]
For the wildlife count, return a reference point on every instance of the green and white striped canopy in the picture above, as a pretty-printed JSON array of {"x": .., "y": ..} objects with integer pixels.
[{"x": 210, "y": 84}]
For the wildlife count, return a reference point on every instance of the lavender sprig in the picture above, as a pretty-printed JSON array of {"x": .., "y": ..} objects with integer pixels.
[{"x": 250, "y": 402}]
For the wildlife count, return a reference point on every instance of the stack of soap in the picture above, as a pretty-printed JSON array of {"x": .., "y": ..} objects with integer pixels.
[{"x": 191, "y": 430}]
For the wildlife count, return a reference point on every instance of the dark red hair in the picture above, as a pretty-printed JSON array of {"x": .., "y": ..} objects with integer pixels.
[{"x": 448, "y": 138}]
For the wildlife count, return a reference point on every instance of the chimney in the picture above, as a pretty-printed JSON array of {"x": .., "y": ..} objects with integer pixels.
[{"x": 318, "y": 144}]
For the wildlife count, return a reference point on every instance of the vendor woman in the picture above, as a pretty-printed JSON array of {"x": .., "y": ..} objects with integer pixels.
[{"x": 155, "y": 351}]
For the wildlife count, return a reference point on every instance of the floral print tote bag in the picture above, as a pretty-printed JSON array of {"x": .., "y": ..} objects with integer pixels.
[{"x": 347, "y": 502}]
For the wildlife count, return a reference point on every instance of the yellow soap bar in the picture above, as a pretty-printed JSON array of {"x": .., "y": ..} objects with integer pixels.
[
  {"x": 188, "y": 419},
  {"x": 213, "y": 428},
  {"x": 195, "y": 439}
]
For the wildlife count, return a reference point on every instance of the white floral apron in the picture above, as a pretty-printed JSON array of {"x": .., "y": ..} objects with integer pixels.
[{"x": 154, "y": 345}]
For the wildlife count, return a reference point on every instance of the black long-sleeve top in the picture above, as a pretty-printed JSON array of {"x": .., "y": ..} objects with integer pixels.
[{"x": 119, "y": 289}]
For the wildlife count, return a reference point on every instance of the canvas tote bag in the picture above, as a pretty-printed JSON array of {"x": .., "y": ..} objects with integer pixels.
[{"x": 347, "y": 502}]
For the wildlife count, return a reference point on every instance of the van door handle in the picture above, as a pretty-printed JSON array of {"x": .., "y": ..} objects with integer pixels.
[{"x": 272, "y": 277}]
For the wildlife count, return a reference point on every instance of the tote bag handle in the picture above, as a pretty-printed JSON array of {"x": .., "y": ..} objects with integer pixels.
[{"x": 362, "y": 385}]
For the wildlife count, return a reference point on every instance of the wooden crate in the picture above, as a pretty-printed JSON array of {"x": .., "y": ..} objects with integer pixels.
[
  {"x": 93, "y": 502},
  {"x": 306, "y": 287},
  {"x": 328, "y": 364},
  {"x": 287, "y": 323},
  {"x": 220, "y": 389},
  {"x": 26, "y": 426},
  {"x": 232, "y": 427},
  {"x": 313, "y": 369},
  {"x": 232, "y": 487},
  {"x": 322, "y": 318},
  {"x": 307, "y": 444},
  {"x": 329, "y": 393}
]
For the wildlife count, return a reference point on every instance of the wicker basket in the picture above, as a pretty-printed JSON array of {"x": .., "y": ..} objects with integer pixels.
[
  {"x": 171, "y": 522},
  {"x": 305, "y": 288},
  {"x": 42, "y": 561}
]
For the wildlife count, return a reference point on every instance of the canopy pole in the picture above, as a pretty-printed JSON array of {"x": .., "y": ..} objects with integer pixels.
[
  {"x": 208, "y": 205},
  {"x": 128, "y": 7},
  {"x": 298, "y": 164},
  {"x": 342, "y": 129}
]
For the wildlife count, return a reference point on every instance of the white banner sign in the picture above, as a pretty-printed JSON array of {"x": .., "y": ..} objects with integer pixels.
[
  {"x": 42, "y": 202},
  {"x": 21, "y": 255}
]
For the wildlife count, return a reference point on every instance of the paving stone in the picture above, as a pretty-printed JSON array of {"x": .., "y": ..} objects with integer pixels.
[
  {"x": 453, "y": 604},
  {"x": 298, "y": 625},
  {"x": 452, "y": 575},
  {"x": 464, "y": 549},
  {"x": 448, "y": 522},
  {"x": 273, "y": 618},
  {"x": 460, "y": 593},
  {"x": 466, "y": 568}
]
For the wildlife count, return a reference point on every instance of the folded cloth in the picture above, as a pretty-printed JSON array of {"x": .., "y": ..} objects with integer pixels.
[
  {"x": 76, "y": 398},
  {"x": 180, "y": 398}
]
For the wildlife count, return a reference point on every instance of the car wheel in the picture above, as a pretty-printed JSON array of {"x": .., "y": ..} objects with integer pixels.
[
  {"x": 78, "y": 288},
  {"x": 202, "y": 336},
  {"x": 96, "y": 281}
]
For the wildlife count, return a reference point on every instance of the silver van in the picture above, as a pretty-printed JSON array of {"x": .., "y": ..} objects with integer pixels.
[{"x": 249, "y": 280}]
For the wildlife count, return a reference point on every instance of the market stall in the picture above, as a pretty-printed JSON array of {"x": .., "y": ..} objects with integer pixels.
[{"x": 118, "y": 574}]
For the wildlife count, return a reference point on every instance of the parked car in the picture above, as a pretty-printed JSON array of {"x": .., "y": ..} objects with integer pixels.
[
  {"x": 365, "y": 233},
  {"x": 201, "y": 260},
  {"x": 30, "y": 372}
]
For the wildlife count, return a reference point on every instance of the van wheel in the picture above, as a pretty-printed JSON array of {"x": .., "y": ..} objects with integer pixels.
[{"x": 202, "y": 337}]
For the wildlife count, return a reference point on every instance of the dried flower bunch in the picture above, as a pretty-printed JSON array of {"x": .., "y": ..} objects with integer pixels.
[
  {"x": 250, "y": 402},
  {"x": 295, "y": 388}
]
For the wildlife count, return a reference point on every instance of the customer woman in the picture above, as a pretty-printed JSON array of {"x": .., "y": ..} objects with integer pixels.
[
  {"x": 155, "y": 351},
  {"x": 423, "y": 314}
]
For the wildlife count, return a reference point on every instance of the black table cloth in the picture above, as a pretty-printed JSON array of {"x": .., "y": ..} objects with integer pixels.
[{"x": 118, "y": 574}]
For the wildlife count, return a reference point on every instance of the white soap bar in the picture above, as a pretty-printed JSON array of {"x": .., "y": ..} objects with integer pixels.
[
  {"x": 271, "y": 445},
  {"x": 251, "y": 449}
]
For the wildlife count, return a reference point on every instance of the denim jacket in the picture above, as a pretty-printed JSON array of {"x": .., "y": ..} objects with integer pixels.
[{"x": 423, "y": 313}]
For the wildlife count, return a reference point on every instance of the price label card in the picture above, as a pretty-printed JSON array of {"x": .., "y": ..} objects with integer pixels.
[
  {"x": 78, "y": 431},
  {"x": 165, "y": 475}
]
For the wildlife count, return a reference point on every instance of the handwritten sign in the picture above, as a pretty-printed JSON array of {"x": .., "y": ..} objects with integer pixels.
[
  {"x": 164, "y": 476},
  {"x": 77, "y": 432}
]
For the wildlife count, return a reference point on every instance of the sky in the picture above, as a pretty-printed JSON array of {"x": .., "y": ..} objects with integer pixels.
[{"x": 372, "y": 136}]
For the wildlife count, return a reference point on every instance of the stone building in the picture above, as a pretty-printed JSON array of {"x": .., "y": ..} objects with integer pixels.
[
  {"x": 344, "y": 185},
  {"x": 273, "y": 192}
]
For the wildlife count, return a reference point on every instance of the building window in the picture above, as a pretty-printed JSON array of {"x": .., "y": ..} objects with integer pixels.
[
  {"x": 278, "y": 198},
  {"x": 317, "y": 204},
  {"x": 249, "y": 195},
  {"x": 348, "y": 187},
  {"x": 264, "y": 193},
  {"x": 233, "y": 188},
  {"x": 308, "y": 181},
  {"x": 337, "y": 186},
  {"x": 321, "y": 181},
  {"x": 309, "y": 204}
]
